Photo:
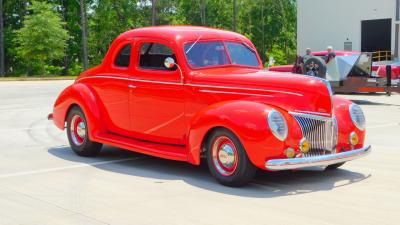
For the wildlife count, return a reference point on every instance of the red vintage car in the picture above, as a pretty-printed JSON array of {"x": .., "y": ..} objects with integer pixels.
[{"x": 192, "y": 93}]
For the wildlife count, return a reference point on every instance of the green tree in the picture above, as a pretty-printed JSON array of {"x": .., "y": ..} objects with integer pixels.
[
  {"x": 270, "y": 24},
  {"x": 13, "y": 13},
  {"x": 42, "y": 39},
  {"x": 1, "y": 40},
  {"x": 71, "y": 13},
  {"x": 108, "y": 19}
]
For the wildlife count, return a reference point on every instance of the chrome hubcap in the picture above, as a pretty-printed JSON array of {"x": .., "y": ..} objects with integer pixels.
[
  {"x": 81, "y": 129},
  {"x": 77, "y": 130},
  {"x": 224, "y": 155}
]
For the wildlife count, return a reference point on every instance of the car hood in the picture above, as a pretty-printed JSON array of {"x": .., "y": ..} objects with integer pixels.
[{"x": 288, "y": 91}]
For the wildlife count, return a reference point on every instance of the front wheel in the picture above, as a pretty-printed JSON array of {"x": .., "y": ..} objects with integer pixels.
[
  {"x": 227, "y": 160},
  {"x": 77, "y": 132}
]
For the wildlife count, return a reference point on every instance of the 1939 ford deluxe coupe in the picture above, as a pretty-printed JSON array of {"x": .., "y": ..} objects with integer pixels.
[{"x": 191, "y": 93}]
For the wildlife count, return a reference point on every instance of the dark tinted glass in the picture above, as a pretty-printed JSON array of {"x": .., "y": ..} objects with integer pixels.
[
  {"x": 152, "y": 56},
  {"x": 124, "y": 56}
]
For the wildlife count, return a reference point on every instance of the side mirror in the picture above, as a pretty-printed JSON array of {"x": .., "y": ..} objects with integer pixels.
[{"x": 169, "y": 63}]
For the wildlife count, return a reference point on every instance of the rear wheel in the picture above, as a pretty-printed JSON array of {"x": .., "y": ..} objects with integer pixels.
[
  {"x": 77, "y": 132},
  {"x": 227, "y": 160}
]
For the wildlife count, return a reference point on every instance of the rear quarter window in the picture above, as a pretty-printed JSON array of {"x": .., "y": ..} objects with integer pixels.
[{"x": 124, "y": 56}]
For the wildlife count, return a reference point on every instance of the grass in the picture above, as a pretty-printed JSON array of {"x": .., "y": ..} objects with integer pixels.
[{"x": 37, "y": 78}]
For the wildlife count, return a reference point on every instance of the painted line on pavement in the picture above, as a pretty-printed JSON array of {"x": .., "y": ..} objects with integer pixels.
[
  {"x": 23, "y": 129},
  {"x": 76, "y": 166}
]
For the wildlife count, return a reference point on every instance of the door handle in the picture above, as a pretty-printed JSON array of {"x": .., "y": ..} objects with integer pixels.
[{"x": 131, "y": 86}]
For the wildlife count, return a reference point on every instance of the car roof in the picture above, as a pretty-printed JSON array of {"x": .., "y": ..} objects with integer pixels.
[{"x": 183, "y": 33}]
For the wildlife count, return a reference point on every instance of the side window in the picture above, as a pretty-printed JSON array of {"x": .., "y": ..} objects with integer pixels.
[
  {"x": 124, "y": 56},
  {"x": 152, "y": 56}
]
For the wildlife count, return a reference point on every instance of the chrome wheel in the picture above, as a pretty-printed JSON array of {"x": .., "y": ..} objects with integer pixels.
[
  {"x": 224, "y": 155},
  {"x": 77, "y": 130},
  {"x": 77, "y": 133}
]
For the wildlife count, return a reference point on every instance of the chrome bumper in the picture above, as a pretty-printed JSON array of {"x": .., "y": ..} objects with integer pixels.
[{"x": 323, "y": 160}]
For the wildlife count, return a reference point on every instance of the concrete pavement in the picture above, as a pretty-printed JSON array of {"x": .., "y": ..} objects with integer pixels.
[{"x": 43, "y": 182}]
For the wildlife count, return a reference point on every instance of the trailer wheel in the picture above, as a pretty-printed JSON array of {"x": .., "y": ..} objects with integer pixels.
[{"x": 315, "y": 66}]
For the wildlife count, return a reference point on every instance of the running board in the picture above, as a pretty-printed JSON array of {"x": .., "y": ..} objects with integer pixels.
[{"x": 174, "y": 152}]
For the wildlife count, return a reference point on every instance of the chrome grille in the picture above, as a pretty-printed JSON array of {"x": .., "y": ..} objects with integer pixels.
[{"x": 320, "y": 131}]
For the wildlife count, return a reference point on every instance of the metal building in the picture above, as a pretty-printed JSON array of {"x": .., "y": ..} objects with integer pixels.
[{"x": 359, "y": 25}]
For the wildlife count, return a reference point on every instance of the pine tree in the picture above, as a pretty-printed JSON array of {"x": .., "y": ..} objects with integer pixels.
[{"x": 42, "y": 39}]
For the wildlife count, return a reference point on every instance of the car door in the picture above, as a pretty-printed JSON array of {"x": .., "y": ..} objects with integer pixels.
[
  {"x": 157, "y": 100},
  {"x": 112, "y": 88}
]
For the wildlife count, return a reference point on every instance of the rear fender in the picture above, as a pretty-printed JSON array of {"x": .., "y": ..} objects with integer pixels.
[
  {"x": 246, "y": 119},
  {"x": 82, "y": 96}
]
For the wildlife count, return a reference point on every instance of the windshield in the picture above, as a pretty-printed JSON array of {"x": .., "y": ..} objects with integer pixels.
[{"x": 219, "y": 53}]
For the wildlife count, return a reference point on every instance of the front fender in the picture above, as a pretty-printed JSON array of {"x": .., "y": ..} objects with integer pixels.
[
  {"x": 81, "y": 95},
  {"x": 345, "y": 124},
  {"x": 246, "y": 119}
]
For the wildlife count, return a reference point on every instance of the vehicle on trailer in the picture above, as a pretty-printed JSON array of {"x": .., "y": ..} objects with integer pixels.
[
  {"x": 348, "y": 72},
  {"x": 379, "y": 69},
  {"x": 193, "y": 93}
]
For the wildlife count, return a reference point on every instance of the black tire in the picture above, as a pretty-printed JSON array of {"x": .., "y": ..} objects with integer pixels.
[
  {"x": 334, "y": 166},
  {"x": 244, "y": 170},
  {"x": 317, "y": 63},
  {"x": 84, "y": 146}
]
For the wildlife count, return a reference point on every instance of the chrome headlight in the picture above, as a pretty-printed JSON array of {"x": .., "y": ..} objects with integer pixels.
[
  {"x": 277, "y": 124},
  {"x": 357, "y": 116}
]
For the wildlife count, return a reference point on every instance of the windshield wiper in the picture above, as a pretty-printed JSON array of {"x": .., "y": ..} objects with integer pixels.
[{"x": 190, "y": 48}]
